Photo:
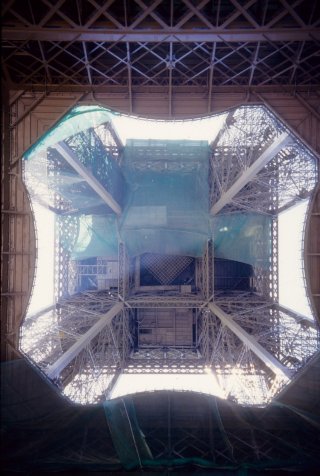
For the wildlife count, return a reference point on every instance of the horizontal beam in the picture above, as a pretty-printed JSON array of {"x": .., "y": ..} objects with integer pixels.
[
  {"x": 140, "y": 302},
  {"x": 152, "y": 289},
  {"x": 248, "y": 174},
  {"x": 168, "y": 35},
  {"x": 72, "y": 160},
  {"x": 299, "y": 318},
  {"x": 180, "y": 92},
  {"x": 54, "y": 370},
  {"x": 250, "y": 341}
]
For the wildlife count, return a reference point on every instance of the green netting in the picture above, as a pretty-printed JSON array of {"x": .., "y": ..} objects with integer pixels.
[
  {"x": 161, "y": 187},
  {"x": 126, "y": 435},
  {"x": 54, "y": 183},
  {"x": 98, "y": 160},
  {"x": 97, "y": 237},
  {"x": 244, "y": 237},
  {"x": 41, "y": 431},
  {"x": 167, "y": 209},
  {"x": 75, "y": 121}
]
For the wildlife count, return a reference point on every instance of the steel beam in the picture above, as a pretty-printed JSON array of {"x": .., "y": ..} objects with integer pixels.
[
  {"x": 72, "y": 160},
  {"x": 207, "y": 271},
  {"x": 299, "y": 318},
  {"x": 248, "y": 174},
  {"x": 124, "y": 270},
  {"x": 164, "y": 35},
  {"x": 165, "y": 301},
  {"x": 54, "y": 370},
  {"x": 137, "y": 273},
  {"x": 250, "y": 341}
]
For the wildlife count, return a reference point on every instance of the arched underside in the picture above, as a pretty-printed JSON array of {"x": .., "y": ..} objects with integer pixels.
[
  {"x": 31, "y": 114},
  {"x": 267, "y": 154},
  {"x": 48, "y": 68},
  {"x": 175, "y": 425}
]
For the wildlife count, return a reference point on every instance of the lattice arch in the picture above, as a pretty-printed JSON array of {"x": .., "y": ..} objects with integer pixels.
[{"x": 29, "y": 115}]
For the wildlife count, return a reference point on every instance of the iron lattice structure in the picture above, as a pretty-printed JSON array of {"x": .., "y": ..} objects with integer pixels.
[
  {"x": 132, "y": 44},
  {"x": 252, "y": 345}
]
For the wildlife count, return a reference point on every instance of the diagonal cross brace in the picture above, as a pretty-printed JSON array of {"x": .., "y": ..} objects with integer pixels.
[
  {"x": 248, "y": 174},
  {"x": 72, "y": 160},
  {"x": 54, "y": 370},
  {"x": 250, "y": 341}
]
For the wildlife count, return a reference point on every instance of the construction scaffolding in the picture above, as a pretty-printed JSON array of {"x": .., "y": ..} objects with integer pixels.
[{"x": 166, "y": 256}]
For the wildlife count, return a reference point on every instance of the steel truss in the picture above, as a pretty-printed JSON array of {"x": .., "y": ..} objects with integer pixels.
[
  {"x": 165, "y": 360},
  {"x": 251, "y": 344},
  {"x": 125, "y": 280},
  {"x": 256, "y": 166},
  {"x": 212, "y": 435},
  {"x": 117, "y": 46},
  {"x": 82, "y": 344},
  {"x": 167, "y": 300},
  {"x": 283, "y": 171},
  {"x": 267, "y": 333},
  {"x": 207, "y": 271}
]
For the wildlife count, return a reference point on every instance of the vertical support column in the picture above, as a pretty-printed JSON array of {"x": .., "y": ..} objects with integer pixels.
[
  {"x": 137, "y": 272},
  {"x": 5, "y": 228},
  {"x": 207, "y": 271},
  {"x": 198, "y": 273},
  {"x": 65, "y": 230},
  {"x": 204, "y": 334},
  {"x": 123, "y": 271},
  {"x": 126, "y": 336}
]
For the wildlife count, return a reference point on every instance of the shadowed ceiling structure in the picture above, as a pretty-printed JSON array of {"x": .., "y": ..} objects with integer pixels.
[
  {"x": 127, "y": 46},
  {"x": 163, "y": 59}
]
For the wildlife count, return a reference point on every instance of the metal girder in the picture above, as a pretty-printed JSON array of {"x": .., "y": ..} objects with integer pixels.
[
  {"x": 137, "y": 272},
  {"x": 207, "y": 271},
  {"x": 299, "y": 318},
  {"x": 165, "y": 35},
  {"x": 250, "y": 341},
  {"x": 54, "y": 370},
  {"x": 72, "y": 160},
  {"x": 267, "y": 155},
  {"x": 124, "y": 271},
  {"x": 138, "y": 302}
]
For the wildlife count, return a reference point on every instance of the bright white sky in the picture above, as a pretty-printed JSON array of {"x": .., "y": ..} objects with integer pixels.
[
  {"x": 43, "y": 291},
  {"x": 292, "y": 291},
  {"x": 200, "y": 129},
  {"x": 133, "y": 383}
]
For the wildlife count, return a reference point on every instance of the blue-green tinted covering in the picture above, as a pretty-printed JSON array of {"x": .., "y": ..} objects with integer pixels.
[
  {"x": 128, "y": 439},
  {"x": 43, "y": 432},
  {"x": 75, "y": 121},
  {"x": 97, "y": 237},
  {"x": 242, "y": 237},
  {"x": 167, "y": 209},
  {"x": 162, "y": 187}
]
